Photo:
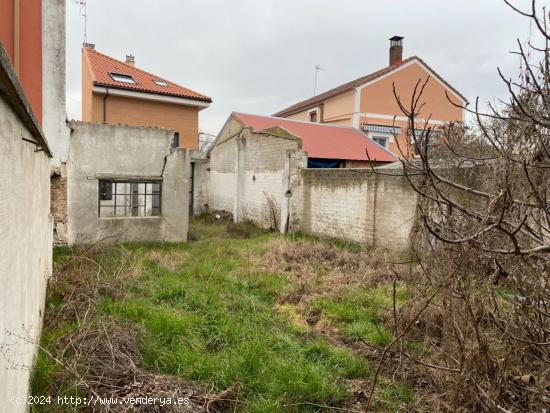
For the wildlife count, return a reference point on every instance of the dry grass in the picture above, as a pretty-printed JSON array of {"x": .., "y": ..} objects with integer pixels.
[{"x": 321, "y": 268}]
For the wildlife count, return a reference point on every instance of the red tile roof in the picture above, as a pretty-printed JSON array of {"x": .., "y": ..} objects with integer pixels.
[
  {"x": 323, "y": 141},
  {"x": 102, "y": 65},
  {"x": 305, "y": 104}
]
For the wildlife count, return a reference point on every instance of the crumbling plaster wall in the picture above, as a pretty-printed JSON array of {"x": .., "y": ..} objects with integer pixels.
[
  {"x": 25, "y": 253},
  {"x": 123, "y": 152}
]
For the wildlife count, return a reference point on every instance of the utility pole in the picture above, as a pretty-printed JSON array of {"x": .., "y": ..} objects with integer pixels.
[{"x": 318, "y": 69}]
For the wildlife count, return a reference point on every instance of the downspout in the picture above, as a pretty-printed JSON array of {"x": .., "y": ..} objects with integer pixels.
[{"x": 105, "y": 105}]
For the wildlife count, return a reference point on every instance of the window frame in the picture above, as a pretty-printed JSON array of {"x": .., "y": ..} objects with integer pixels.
[
  {"x": 381, "y": 136},
  {"x": 122, "y": 75},
  {"x": 113, "y": 192},
  {"x": 313, "y": 116}
]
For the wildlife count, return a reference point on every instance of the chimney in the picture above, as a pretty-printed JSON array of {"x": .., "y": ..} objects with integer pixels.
[
  {"x": 130, "y": 60},
  {"x": 396, "y": 50},
  {"x": 88, "y": 46}
]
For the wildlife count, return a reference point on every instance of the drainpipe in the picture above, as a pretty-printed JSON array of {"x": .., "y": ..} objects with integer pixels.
[{"x": 105, "y": 105}]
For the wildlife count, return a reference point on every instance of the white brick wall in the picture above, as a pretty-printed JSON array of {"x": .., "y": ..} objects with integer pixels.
[{"x": 357, "y": 205}]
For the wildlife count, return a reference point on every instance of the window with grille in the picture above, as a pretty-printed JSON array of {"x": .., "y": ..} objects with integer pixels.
[{"x": 129, "y": 198}]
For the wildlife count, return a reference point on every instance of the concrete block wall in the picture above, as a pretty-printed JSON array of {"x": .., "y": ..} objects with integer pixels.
[
  {"x": 335, "y": 204},
  {"x": 223, "y": 176},
  {"x": 357, "y": 205},
  {"x": 249, "y": 176},
  {"x": 265, "y": 178}
]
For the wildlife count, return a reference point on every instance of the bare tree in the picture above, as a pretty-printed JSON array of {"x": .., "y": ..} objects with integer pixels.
[{"x": 484, "y": 217}]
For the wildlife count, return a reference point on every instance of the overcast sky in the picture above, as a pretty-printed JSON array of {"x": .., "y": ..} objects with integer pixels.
[{"x": 258, "y": 56}]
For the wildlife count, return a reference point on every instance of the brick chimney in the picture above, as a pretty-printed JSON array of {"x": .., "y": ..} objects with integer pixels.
[
  {"x": 130, "y": 60},
  {"x": 396, "y": 50}
]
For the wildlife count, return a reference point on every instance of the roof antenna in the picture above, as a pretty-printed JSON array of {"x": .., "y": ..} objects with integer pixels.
[
  {"x": 318, "y": 69},
  {"x": 84, "y": 13}
]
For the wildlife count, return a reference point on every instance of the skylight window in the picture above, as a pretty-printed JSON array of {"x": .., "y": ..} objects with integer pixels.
[
  {"x": 122, "y": 78},
  {"x": 160, "y": 82}
]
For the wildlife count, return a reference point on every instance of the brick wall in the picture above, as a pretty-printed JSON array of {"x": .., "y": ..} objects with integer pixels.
[
  {"x": 59, "y": 206},
  {"x": 138, "y": 112}
]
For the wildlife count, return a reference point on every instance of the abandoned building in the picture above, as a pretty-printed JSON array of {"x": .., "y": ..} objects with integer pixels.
[
  {"x": 32, "y": 112},
  {"x": 368, "y": 103},
  {"x": 260, "y": 170},
  {"x": 116, "y": 191},
  {"x": 118, "y": 93}
]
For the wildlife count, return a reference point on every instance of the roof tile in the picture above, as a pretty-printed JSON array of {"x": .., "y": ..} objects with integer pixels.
[
  {"x": 102, "y": 66},
  {"x": 323, "y": 141}
]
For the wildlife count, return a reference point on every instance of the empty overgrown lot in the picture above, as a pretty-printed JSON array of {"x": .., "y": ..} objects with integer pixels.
[{"x": 237, "y": 320}]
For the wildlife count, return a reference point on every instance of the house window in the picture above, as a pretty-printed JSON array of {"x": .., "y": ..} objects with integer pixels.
[
  {"x": 161, "y": 83},
  {"x": 129, "y": 198},
  {"x": 313, "y": 116},
  {"x": 122, "y": 78},
  {"x": 381, "y": 140},
  {"x": 176, "y": 140}
]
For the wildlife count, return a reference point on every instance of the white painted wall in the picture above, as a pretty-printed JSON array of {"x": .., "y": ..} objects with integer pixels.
[{"x": 25, "y": 254}]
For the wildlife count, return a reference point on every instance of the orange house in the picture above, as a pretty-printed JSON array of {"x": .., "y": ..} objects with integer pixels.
[
  {"x": 118, "y": 93},
  {"x": 368, "y": 103},
  {"x": 21, "y": 34}
]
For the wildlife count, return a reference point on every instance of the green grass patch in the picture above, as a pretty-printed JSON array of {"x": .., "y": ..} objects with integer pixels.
[
  {"x": 357, "y": 312},
  {"x": 206, "y": 314}
]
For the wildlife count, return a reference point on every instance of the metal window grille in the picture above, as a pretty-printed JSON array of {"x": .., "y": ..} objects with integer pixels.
[{"x": 129, "y": 198}]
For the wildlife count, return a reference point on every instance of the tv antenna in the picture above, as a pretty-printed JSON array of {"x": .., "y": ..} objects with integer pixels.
[
  {"x": 84, "y": 13},
  {"x": 318, "y": 69}
]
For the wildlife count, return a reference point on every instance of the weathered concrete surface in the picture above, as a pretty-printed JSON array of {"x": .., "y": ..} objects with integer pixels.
[
  {"x": 53, "y": 78},
  {"x": 103, "y": 151},
  {"x": 25, "y": 237}
]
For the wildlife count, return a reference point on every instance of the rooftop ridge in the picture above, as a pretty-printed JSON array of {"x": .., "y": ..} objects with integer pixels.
[{"x": 199, "y": 96}]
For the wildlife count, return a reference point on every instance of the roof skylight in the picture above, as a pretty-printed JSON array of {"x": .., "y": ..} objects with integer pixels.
[
  {"x": 119, "y": 77},
  {"x": 160, "y": 82}
]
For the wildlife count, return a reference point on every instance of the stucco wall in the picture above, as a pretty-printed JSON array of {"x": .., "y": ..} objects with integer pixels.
[
  {"x": 103, "y": 152},
  {"x": 53, "y": 98},
  {"x": 358, "y": 205},
  {"x": 25, "y": 253}
]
